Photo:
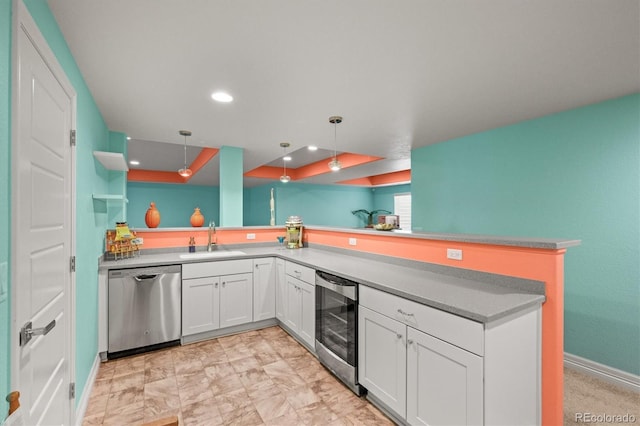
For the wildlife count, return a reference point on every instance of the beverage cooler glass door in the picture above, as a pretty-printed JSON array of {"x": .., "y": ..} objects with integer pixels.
[{"x": 336, "y": 313}]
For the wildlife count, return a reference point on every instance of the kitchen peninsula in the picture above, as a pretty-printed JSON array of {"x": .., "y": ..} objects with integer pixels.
[{"x": 495, "y": 278}]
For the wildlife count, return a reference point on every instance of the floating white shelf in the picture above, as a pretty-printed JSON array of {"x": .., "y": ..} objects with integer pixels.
[
  {"x": 111, "y": 160},
  {"x": 108, "y": 197}
]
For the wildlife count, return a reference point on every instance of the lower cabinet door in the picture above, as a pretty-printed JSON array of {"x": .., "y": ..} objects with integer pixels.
[
  {"x": 281, "y": 291},
  {"x": 200, "y": 300},
  {"x": 308, "y": 315},
  {"x": 444, "y": 382},
  {"x": 382, "y": 358},
  {"x": 236, "y": 299},
  {"x": 264, "y": 289},
  {"x": 293, "y": 306}
]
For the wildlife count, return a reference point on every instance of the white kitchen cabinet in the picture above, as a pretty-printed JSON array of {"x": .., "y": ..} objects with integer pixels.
[
  {"x": 236, "y": 299},
  {"x": 382, "y": 358},
  {"x": 216, "y": 295},
  {"x": 200, "y": 300},
  {"x": 281, "y": 291},
  {"x": 294, "y": 304},
  {"x": 264, "y": 289},
  {"x": 307, "y": 329},
  {"x": 444, "y": 382},
  {"x": 431, "y": 367},
  {"x": 299, "y": 312}
]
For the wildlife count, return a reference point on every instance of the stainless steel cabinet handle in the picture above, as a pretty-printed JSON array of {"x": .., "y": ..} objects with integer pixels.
[
  {"x": 223, "y": 283},
  {"x": 399, "y": 336},
  {"x": 401, "y": 312},
  {"x": 410, "y": 342},
  {"x": 216, "y": 285}
]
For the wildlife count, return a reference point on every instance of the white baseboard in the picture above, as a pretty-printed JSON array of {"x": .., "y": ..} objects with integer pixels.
[
  {"x": 83, "y": 403},
  {"x": 603, "y": 372}
]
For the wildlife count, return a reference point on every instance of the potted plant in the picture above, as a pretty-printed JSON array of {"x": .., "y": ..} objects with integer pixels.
[{"x": 368, "y": 215}]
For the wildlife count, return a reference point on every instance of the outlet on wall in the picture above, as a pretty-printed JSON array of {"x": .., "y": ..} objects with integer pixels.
[
  {"x": 251, "y": 236},
  {"x": 454, "y": 254},
  {"x": 352, "y": 241}
]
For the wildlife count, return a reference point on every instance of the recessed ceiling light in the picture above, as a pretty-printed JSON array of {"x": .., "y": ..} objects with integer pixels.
[
  {"x": 287, "y": 158},
  {"x": 134, "y": 162},
  {"x": 128, "y": 138},
  {"x": 221, "y": 97},
  {"x": 312, "y": 148}
]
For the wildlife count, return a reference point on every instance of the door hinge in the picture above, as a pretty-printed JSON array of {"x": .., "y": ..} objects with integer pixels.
[
  {"x": 72, "y": 138},
  {"x": 72, "y": 390},
  {"x": 72, "y": 264}
]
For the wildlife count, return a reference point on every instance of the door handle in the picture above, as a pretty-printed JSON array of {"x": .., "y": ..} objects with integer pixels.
[{"x": 27, "y": 331}]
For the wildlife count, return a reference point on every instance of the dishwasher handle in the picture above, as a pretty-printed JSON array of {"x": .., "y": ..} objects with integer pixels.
[{"x": 143, "y": 277}]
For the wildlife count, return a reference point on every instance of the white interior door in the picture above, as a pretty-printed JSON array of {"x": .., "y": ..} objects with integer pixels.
[{"x": 42, "y": 212}]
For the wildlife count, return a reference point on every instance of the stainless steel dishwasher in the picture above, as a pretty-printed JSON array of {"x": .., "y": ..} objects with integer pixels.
[{"x": 144, "y": 309}]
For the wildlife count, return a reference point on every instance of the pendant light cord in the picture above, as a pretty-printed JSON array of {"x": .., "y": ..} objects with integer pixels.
[
  {"x": 335, "y": 139},
  {"x": 185, "y": 152}
]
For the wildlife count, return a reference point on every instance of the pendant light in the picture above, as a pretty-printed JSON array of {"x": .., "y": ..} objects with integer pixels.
[
  {"x": 284, "y": 178},
  {"x": 185, "y": 172},
  {"x": 334, "y": 164}
]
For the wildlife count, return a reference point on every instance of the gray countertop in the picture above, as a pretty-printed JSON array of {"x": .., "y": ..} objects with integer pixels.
[{"x": 474, "y": 295}]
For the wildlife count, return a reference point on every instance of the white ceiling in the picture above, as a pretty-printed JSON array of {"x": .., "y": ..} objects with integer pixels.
[{"x": 403, "y": 74}]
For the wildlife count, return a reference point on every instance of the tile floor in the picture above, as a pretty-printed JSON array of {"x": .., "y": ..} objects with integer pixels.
[{"x": 261, "y": 377}]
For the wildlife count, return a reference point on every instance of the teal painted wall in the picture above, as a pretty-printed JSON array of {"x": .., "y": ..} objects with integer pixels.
[
  {"x": 5, "y": 198},
  {"x": 573, "y": 175},
  {"x": 231, "y": 192},
  {"x": 174, "y": 201},
  {"x": 91, "y": 177},
  {"x": 328, "y": 205},
  {"x": 383, "y": 196}
]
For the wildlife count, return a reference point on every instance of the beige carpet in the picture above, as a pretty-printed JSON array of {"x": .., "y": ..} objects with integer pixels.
[{"x": 588, "y": 400}]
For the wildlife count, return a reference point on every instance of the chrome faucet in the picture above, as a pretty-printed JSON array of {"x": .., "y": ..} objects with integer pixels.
[{"x": 212, "y": 231}]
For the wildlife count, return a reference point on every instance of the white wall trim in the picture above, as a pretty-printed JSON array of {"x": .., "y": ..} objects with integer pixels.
[
  {"x": 603, "y": 372},
  {"x": 83, "y": 402}
]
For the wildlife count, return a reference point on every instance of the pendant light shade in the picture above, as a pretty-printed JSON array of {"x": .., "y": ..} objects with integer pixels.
[
  {"x": 284, "y": 178},
  {"x": 334, "y": 164},
  {"x": 185, "y": 172}
]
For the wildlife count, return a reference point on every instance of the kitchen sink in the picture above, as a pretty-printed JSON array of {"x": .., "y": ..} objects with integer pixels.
[{"x": 212, "y": 254}]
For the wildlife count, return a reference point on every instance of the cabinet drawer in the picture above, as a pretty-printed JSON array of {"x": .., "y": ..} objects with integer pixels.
[
  {"x": 300, "y": 272},
  {"x": 213, "y": 269},
  {"x": 456, "y": 330}
]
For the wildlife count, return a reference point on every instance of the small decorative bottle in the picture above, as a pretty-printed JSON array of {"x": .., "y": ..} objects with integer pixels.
[
  {"x": 152, "y": 218},
  {"x": 192, "y": 245},
  {"x": 197, "y": 219}
]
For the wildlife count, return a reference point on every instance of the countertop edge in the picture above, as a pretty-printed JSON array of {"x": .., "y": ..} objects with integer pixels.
[{"x": 523, "y": 242}]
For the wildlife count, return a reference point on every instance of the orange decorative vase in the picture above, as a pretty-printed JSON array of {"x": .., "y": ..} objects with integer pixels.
[
  {"x": 152, "y": 218},
  {"x": 197, "y": 219}
]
